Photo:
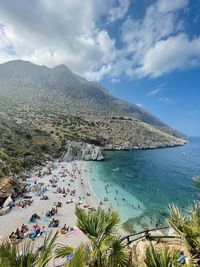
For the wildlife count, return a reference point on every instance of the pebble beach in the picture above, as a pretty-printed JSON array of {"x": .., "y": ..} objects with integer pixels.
[{"x": 70, "y": 176}]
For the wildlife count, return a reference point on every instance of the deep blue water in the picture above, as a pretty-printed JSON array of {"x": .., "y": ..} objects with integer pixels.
[{"x": 149, "y": 178}]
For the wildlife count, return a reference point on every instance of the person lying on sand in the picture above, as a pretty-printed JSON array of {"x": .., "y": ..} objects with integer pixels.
[
  {"x": 34, "y": 217},
  {"x": 24, "y": 228},
  {"x": 60, "y": 190},
  {"x": 63, "y": 230},
  {"x": 54, "y": 223},
  {"x": 59, "y": 205},
  {"x": 73, "y": 192},
  {"x": 24, "y": 203},
  {"x": 37, "y": 231},
  {"x": 52, "y": 212},
  {"x": 19, "y": 235},
  {"x": 70, "y": 201},
  {"x": 44, "y": 197}
]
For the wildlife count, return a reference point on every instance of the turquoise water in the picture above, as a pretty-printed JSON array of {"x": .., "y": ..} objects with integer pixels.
[{"x": 141, "y": 184}]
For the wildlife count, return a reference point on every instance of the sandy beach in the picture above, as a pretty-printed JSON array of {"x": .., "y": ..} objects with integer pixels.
[{"x": 71, "y": 175}]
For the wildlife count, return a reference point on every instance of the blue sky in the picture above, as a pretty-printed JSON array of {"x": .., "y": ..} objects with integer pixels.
[{"x": 144, "y": 51}]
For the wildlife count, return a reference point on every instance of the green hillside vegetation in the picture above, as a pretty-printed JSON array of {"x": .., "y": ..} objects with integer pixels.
[{"x": 41, "y": 109}]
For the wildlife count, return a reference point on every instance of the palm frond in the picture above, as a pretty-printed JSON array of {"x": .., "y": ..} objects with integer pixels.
[
  {"x": 118, "y": 253},
  {"x": 78, "y": 259},
  {"x": 187, "y": 227},
  {"x": 46, "y": 251},
  {"x": 155, "y": 258},
  {"x": 98, "y": 223},
  {"x": 64, "y": 251}
]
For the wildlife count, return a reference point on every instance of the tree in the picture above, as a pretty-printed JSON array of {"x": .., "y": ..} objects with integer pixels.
[{"x": 106, "y": 247}]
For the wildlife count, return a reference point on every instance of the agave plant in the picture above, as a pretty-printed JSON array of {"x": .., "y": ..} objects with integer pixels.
[
  {"x": 162, "y": 257},
  {"x": 188, "y": 227},
  {"x": 26, "y": 255},
  {"x": 106, "y": 249}
]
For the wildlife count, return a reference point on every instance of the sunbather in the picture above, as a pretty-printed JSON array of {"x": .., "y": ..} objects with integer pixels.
[{"x": 34, "y": 217}]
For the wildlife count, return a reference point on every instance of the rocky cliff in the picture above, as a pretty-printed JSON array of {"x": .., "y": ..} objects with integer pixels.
[
  {"x": 82, "y": 151},
  {"x": 10, "y": 186}
]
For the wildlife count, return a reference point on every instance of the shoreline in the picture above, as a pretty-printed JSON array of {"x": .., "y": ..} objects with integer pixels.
[
  {"x": 75, "y": 180},
  {"x": 17, "y": 217},
  {"x": 160, "y": 146}
]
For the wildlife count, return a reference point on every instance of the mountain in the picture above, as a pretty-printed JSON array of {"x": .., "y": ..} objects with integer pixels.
[
  {"x": 72, "y": 92},
  {"x": 49, "y": 106}
]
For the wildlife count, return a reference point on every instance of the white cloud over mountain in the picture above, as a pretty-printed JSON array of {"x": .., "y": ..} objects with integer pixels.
[{"x": 75, "y": 33}]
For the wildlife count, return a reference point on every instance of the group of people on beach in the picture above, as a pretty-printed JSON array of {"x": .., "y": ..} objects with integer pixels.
[
  {"x": 24, "y": 203},
  {"x": 21, "y": 233},
  {"x": 41, "y": 190}
]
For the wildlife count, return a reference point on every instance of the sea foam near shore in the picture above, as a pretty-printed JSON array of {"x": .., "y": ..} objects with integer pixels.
[{"x": 112, "y": 195}]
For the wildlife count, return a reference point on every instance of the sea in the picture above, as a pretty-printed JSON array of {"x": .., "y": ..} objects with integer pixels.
[{"x": 140, "y": 184}]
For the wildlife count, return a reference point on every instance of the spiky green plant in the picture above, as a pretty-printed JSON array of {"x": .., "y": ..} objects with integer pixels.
[
  {"x": 163, "y": 258},
  {"x": 158, "y": 258},
  {"x": 78, "y": 259},
  {"x": 12, "y": 255},
  {"x": 188, "y": 227},
  {"x": 64, "y": 251},
  {"x": 101, "y": 226},
  {"x": 118, "y": 253}
]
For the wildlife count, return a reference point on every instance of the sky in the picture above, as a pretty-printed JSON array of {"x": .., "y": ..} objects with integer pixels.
[{"x": 144, "y": 51}]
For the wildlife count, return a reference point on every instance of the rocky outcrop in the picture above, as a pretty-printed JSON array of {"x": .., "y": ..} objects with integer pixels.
[
  {"x": 82, "y": 151},
  {"x": 148, "y": 145},
  {"x": 138, "y": 249},
  {"x": 10, "y": 186}
]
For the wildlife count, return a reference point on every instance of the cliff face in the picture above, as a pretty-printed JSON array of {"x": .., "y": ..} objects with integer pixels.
[
  {"x": 82, "y": 151},
  {"x": 10, "y": 186}
]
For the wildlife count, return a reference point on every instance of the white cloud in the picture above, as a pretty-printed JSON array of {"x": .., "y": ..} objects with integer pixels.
[
  {"x": 157, "y": 44},
  {"x": 157, "y": 90},
  {"x": 154, "y": 92},
  {"x": 141, "y": 36},
  {"x": 74, "y": 33},
  {"x": 174, "y": 53},
  {"x": 166, "y": 100},
  {"x": 119, "y": 11},
  {"x": 55, "y": 32},
  {"x": 171, "y": 5}
]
